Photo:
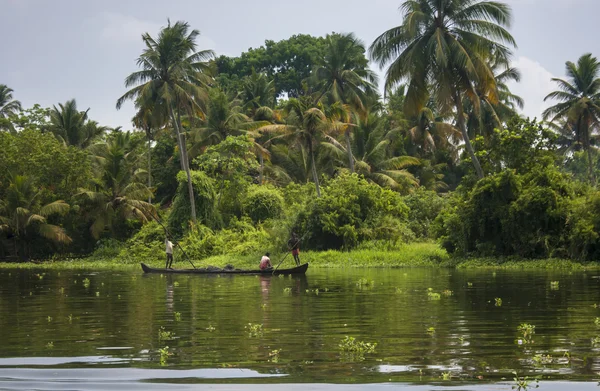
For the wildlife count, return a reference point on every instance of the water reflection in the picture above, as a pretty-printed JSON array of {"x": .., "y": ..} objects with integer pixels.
[{"x": 425, "y": 322}]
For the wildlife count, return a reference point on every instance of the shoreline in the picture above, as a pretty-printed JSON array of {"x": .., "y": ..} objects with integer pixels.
[{"x": 412, "y": 255}]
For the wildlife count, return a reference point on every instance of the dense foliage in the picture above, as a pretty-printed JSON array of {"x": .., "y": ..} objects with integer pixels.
[{"x": 230, "y": 155}]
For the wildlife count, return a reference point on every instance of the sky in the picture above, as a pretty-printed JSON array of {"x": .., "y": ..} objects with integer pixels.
[{"x": 56, "y": 50}]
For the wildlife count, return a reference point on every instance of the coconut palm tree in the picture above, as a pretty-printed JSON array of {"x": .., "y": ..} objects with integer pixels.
[
  {"x": 22, "y": 217},
  {"x": 445, "y": 44},
  {"x": 579, "y": 105},
  {"x": 8, "y": 105},
  {"x": 258, "y": 91},
  {"x": 176, "y": 75},
  {"x": 150, "y": 119},
  {"x": 72, "y": 127},
  {"x": 431, "y": 131},
  {"x": 375, "y": 159},
  {"x": 120, "y": 191},
  {"x": 497, "y": 104},
  {"x": 343, "y": 76},
  {"x": 307, "y": 124}
]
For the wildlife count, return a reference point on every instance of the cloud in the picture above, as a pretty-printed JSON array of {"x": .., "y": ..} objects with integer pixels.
[
  {"x": 535, "y": 84},
  {"x": 126, "y": 29}
]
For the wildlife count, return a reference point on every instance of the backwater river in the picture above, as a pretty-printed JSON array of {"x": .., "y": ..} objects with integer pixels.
[{"x": 333, "y": 329}]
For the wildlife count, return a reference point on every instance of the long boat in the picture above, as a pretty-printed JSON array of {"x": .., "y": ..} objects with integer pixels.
[{"x": 295, "y": 270}]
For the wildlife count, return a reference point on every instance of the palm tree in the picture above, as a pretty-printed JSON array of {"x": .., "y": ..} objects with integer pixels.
[
  {"x": 224, "y": 117},
  {"x": 497, "y": 104},
  {"x": 307, "y": 124},
  {"x": 445, "y": 43},
  {"x": 8, "y": 105},
  {"x": 258, "y": 91},
  {"x": 72, "y": 127},
  {"x": 150, "y": 120},
  {"x": 431, "y": 131},
  {"x": 375, "y": 160},
  {"x": 342, "y": 77},
  {"x": 176, "y": 75},
  {"x": 22, "y": 216},
  {"x": 579, "y": 105},
  {"x": 120, "y": 191}
]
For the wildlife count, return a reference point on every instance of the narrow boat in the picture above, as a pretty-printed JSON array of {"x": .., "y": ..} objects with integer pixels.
[{"x": 295, "y": 270}]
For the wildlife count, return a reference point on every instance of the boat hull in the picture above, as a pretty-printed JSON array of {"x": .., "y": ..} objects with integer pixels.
[{"x": 296, "y": 270}]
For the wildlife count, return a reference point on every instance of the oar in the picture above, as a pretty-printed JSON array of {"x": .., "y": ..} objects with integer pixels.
[{"x": 176, "y": 243}]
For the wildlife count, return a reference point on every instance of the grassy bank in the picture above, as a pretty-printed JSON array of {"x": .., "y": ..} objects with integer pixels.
[{"x": 409, "y": 255}]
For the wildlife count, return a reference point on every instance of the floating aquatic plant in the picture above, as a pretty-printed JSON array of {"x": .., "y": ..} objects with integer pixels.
[
  {"x": 164, "y": 335},
  {"x": 254, "y": 329},
  {"x": 164, "y": 355},
  {"x": 356, "y": 349},
  {"x": 527, "y": 331}
]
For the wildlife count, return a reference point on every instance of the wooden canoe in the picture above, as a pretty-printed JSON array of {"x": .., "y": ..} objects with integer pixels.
[{"x": 295, "y": 270}]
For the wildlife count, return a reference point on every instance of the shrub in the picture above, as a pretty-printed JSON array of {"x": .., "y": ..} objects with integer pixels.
[
  {"x": 146, "y": 244},
  {"x": 240, "y": 238},
  {"x": 263, "y": 203},
  {"x": 423, "y": 208},
  {"x": 205, "y": 197},
  {"x": 351, "y": 210},
  {"x": 509, "y": 214}
]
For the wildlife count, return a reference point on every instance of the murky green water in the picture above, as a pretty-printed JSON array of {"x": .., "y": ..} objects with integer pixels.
[{"x": 434, "y": 329}]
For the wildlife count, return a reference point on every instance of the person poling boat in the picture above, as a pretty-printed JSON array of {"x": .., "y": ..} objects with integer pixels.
[
  {"x": 294, "y": 246},
  {"x": 169, "y": 251}
]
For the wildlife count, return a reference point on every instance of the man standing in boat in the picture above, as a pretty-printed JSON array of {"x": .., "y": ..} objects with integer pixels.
[
  {"x": 169, "y": 251},
  {"x": 294, "y": 246}
]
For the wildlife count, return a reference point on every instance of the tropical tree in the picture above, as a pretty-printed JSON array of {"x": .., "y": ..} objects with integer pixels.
[
  {"x": 579, "y": 105},
  {"x": 149, "y": 119},
  {"x": 430, "y": 131},
  {"x": 497, "y": 104},
  {"x": 257, "y": 91},
  {"x": 307, "y": 125},
  {"x": 8, "y": 105},
  {"x": 343, "y": 76},
  {"x": 375, "y": 158},
  {"x": 72, "y": 127},
  {"x": 445, "y": 44},
  {"x": 120, "y": 191},
  {"x": 22, "y": 217},
  {"x": 176, "y": 75}
]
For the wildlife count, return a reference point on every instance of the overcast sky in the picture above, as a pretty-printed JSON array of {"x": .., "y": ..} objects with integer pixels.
[{"x": 55, "y": 50}]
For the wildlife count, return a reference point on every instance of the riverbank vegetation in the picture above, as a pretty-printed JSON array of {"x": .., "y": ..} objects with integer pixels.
[{"x": 229, "y": 155}]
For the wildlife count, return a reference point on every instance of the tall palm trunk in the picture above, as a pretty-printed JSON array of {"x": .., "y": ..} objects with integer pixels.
[
  {"x": 460, "y": 120},
  {"x": 149, "y": 168},
  {"x": 261, "y": 160},
  {"x": 314, "y": 168},
  {"x": 349, "y": 149},
  {"x": 585, "y": 134},
  {"x": 184, "y": 164}
]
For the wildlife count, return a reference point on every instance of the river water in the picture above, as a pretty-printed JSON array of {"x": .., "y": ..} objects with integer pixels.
[{"x": 433, "y": 329}]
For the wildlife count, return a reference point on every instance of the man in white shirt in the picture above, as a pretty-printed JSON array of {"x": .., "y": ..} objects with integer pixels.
[{"x": 169, "y": 251}]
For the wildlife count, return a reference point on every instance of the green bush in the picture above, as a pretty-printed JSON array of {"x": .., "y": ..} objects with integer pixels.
[
  {"x": 147, "y": 244},
  {"x": 350, "y": 211},
  {"x": 423, "y": 208},
  {"x": 584, "y": 233},
  {"x": 205, "y": 197},
  {"x": 508, "y": 214},
  {"x": 240, "y": 238},
  {"x": 262, "y": 203}
]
